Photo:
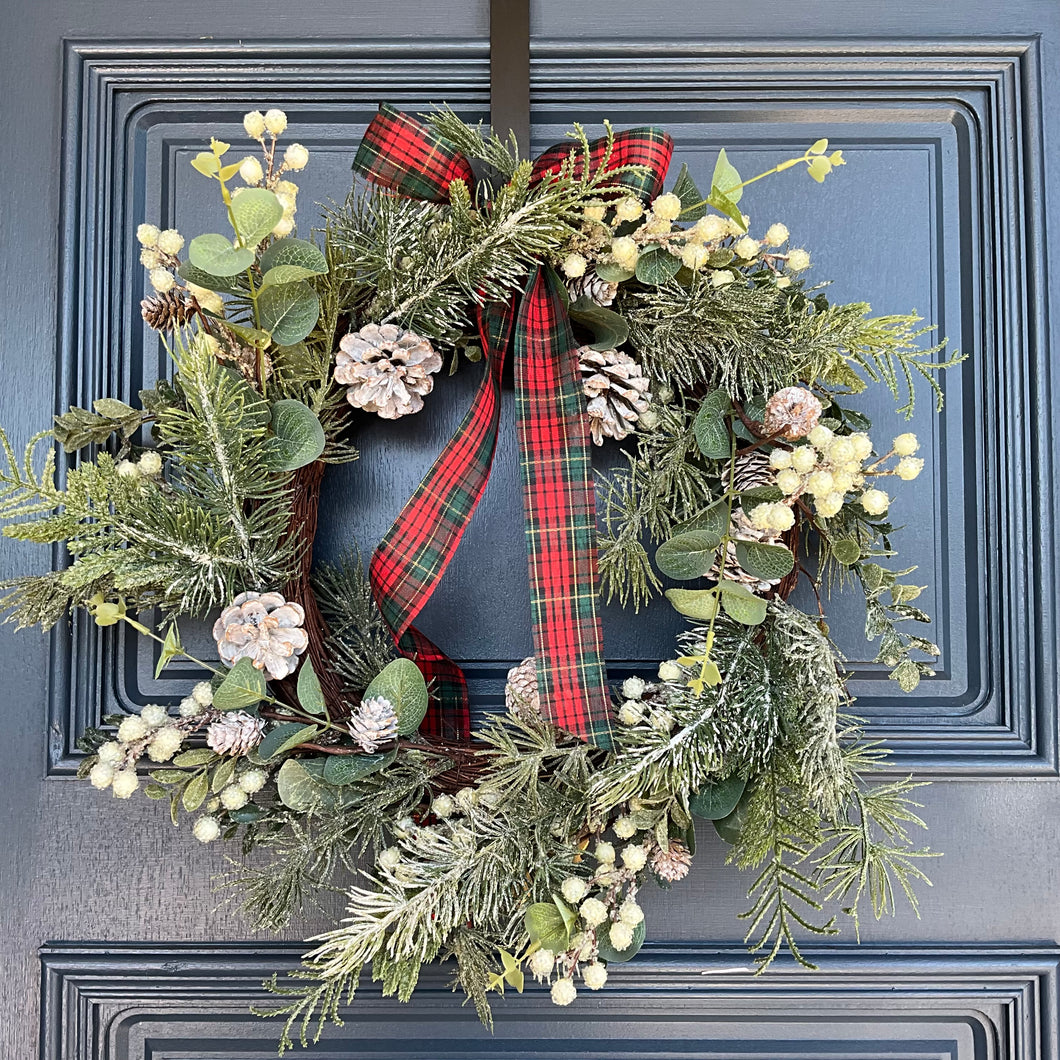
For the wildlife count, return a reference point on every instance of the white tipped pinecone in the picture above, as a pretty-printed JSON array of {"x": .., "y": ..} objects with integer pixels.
[
  {"x": 752, "y": 470},
  {"x": 264, "y": 628},
  {"x": 672, "y": 864},
  {"x": 388, "y": 370},
  {"x": 742, "y": 530},
  {"x": 374, "y": 723},
  {"x": 592, "y": 286},
  {"x": 235, "y": 734},
  {"x": 617, "y": 390},
  {"x": 172, "y": 309},
  {"x": 521, "y": 694},
  {"x": 792, "y": 413}
]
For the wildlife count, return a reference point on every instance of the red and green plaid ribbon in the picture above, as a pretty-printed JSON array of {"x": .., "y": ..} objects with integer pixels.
[{"x": 407, "y": 157}]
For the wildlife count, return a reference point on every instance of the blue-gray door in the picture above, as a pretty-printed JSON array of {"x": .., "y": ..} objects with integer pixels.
[{"x": 948, "y": 115}]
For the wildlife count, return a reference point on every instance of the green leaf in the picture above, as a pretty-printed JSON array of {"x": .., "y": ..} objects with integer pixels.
[
  {"x": 687, "y": 556},
  {"x": 657, "y": 266},
  {"x": 310, "y": 694},
  {"x": 513, "y": 972},
  {"x": 740, "y": 604},
  {"x": 720, "y": 201},
  {"x": 726, "y": 178},
  {"x": 205, "y": 162},
  {"x": 401, "y": 683},
  {"x": 285, "y": 274},
  {"x": 297, "y": 252},
  {"x": 222, "y": 774},
  {"x": 752, "y": 498},
  {"x": 285, "y": 736},
  {"x": 171, "y": 647},
  {"x": 717, "y": 800},
  {"x": 155, "y": 791},
  {"x": 195, "y": 793},
  {"x": 247, "y": 814},
  {"x": 873, "y": 575},
  {"x": 691, "y": 197},
  {"x": 243, "y": 686},
  {"x": 169, "y": 776},
  {"x": 846, "y": 551},
  {"x": 906, "y": 674},
  {"x": 252, "y": 336},
  {"x": 731, "y": 825},
  {"x": 698, "y": 604},
  {"x": 298, "y": 438},
  {"x": 197, "y": 756},
  {"x": 256, "y": 211},
  {"x": 341, "y": 770},
  {"x": 610, "y": 954},
  {"x": 298, "y": 788},
  {"x": 613, "y": 273},
  {"x": 289, "y": 312},
  {"x": 819, "y": 147},
  {"x": 229, "y": 285},
  {"x": 712, "y": 520},
  {"x": 608, "y": 327},
  {"x": 547, "y": 927},
  {"x": 214, "y": 254},
  {"x": 764, "y": 561},
  {"x": 711, "y": 426}
]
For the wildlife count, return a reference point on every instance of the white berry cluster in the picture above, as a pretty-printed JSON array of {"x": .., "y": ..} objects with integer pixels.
[
  {"x": 233, "y": 796},
  {"x": 268, "y": 173},
  {"x": 633, "y": 708},
  {"x": 151, "y": 732},
  {"x": 158, "y": 254},
  {"x": 832, "y": 466},
  {"x": 149, "y": 465},
  {"x": 607, "y": 909}
]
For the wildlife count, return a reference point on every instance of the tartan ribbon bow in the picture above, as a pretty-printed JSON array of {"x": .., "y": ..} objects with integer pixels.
[{"x": 409, "y": 158}]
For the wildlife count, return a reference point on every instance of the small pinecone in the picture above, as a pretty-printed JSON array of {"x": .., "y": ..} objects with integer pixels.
[
  {"x": 752, "y": 470},
  {"x": 164, "y": 312},
  {"x": 521, "y": 694},
  {"x": 617, "y": 390},
  {"x": 742, "y": 530},
  {"x": 792, "y": 413},
  {"x": 374, "y": 723},
  {"x": 672, "y": 864},
  {"x": 388, "y": 371},
  {"x": 235, "y": 734},
  {"x": 601, "y": 291}
]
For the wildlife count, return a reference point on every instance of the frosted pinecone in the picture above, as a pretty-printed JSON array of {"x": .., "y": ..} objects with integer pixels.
[
  {"x": 388, "y": 371},
  {"x": 672, "y": 864},
  {"x": 590, "y": 285},
  {"x": 521, "y": 694},
  {"x": 741, "y": 530},
  {"x": 264, "y": 628},
  {"x": 792, "y": 413},
  {"x": 375, "y": 722},
  {"x": 235, "y": 734},
  {"x": 170, "y": 310},
  {"x": 617, "y": 390},
  {"x": 752, "y": 470}
]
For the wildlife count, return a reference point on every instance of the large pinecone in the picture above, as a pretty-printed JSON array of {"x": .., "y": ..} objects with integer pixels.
[
  {"x": 741, "y": 530},
  {"x": 521, "y": 694},
  {"x": 617, "y": 390},
  {"x": 375, "y": 722},
  {"x": 264, "y": 628},
  {"x": 752, "y": 470},
  {"x": 672, "y": 864},
  {"x": 388, "y": 371},
  {"x": 601, "y": 291},
  {"x": 235, "y": 734},
  {"x": 164, "y": 312}
]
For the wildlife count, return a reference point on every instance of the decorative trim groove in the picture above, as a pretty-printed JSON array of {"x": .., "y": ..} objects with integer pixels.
[
  {"x": 970, "y": 106},
  {"x": 126, "y": 1001}
]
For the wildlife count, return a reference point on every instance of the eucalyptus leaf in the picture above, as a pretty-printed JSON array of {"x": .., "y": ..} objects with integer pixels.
[
  {"x": 297, "y": 252},
  {"x": 298, "y": 788},
  {"x": 298, "y": 437},
  {"x": 717, "y": 800},
  {"x": 731, "y": 825},
  {"x": 613, "y": 273},
  {"x": 657, "y": 266},
  {"x": 546, "y": 926},
  {"x": 752, "y": 498},
  {"x": 687, "y": 556},
  {"x": 289, "y": 312},
  {"x": 846, "y": 551},
  {"x": 285, "y": 274},
  {"x": 608, "y": 327},
  {"x": 213, "y": 253},
  {"x": 310, "y": 694},
  {"x": 764, "y": 561},
  {"x": 691, "y": 197},
  {"x": 740, "y": 604},
  {"x": 243, "y": 686},
  {"x": 610, "y": 954},
  {"x": 285, "y": 736},
  {"x": 401, "y": 683},
  {"x": 256, "y": 212},
  {"x": 698, "y": 604},
  {"x": 341, "y": 770},
  {"x": 713, "y": 521},
  {"x": 711, "y": 426}
]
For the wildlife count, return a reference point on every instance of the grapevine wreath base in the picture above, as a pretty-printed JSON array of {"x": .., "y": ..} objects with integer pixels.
[{"x": 332, "y": 734}]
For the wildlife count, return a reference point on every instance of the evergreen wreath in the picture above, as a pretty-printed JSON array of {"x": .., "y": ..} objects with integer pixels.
[{"x": 332, "y": 731}]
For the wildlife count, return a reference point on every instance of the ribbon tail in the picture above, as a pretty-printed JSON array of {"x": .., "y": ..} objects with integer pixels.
[{"x": 560, "y": 517}]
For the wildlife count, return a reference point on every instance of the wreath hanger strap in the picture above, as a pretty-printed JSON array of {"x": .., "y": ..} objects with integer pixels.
[{"x": 405, "y": 156}]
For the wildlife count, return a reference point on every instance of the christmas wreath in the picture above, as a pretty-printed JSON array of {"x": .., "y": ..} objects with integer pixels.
[{"x": 332, "y": 734}]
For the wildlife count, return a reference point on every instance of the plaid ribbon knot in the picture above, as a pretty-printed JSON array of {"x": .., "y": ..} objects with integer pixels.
[{"x": 409, "y": 158}]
